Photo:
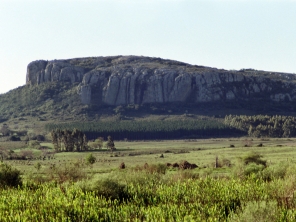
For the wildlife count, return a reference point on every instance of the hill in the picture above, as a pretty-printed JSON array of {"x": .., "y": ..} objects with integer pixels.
[
  {"x": 124, "y": 80},
  {"x": 142, "y": 88}
]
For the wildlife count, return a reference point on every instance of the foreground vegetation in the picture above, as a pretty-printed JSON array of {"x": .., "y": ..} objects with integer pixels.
[
  {"x": 151, "y": 198},
  {"x": 236, "y": 180}
]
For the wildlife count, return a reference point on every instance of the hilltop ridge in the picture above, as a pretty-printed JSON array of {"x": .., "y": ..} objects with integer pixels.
[{"x": 124, "y": 80}]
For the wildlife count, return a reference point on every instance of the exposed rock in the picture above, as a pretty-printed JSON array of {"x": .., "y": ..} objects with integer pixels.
[{"x": 123, "y": 80}]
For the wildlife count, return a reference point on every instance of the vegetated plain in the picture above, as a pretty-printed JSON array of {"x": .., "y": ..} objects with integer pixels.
[
  {"x": 224, "y": 187},
  {"x": 202, "y": 152},
  {"x": 229, "y": 179}
]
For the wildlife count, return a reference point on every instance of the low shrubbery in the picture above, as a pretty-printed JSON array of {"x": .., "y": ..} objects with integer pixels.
[
  {"x": 255, "y": 192},
  {"x": 9, "y": 177},
  {"x": 151, "y": 168}
]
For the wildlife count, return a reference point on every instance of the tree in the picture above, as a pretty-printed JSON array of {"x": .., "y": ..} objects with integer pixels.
[
  {"x": 69, "y": 141},
  {"x": 84, "y": 143},
  {"x": 98, "y": 143},
  {"x": 5, "y": 131},
  {"x": 110, "y": 144},
  {"x": 55, "y": 141}
]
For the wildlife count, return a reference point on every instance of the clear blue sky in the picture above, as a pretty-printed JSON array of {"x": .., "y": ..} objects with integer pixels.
[{"x": 259, "y": 34}]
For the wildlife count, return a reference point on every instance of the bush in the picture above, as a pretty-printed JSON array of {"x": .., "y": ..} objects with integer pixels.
[
  {"x": 90, "y": 159},
  {"x": 9, "y": 177},
  {"x": 111, "y": 189},
  {"x": 14, "y": 138},
  {"x": 253, "y": 168},
  {"x": 278, "y": 171},
  {"x": 258, "y": 211},
  {"x": 73, "y": 173},
  {"x": 34, "y": 144},
  {"x": 26, "y": 154},
  {"x": 254, "y": 158},
  {"x": 40, "y": 138},
  {"x": 152, "y": 168},
  {"x": 98, "y": 143}
]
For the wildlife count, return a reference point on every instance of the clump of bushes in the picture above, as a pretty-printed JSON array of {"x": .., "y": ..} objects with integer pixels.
[
  {"x": 9, "y": 177},
  {"x": 254, "y": 158},
  {"x": 111, "y": 189},
  {"x": 68, "y": 172},
  {"x": 152, "y": 168}
]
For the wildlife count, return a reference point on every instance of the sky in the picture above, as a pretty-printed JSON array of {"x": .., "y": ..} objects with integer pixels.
[{"x": 228, "y": 34}]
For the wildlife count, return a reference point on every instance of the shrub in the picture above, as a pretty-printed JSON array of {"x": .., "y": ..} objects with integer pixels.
[
  {"x": 111, "y": 189},
  {"x": 9, "y": 177},
  {"x": 65, "y": 173},
  {"x": 152, "y": 168},
  {"x": 258, "y": 211},
  {"x": 185, "y": 175},
  {"x": 40, "y": 137},
  {"x": 278, "y": 171},
  {"x": 34, "y": 144},
  {"x": 38, "y": 166},
  {"x": 14, "y": 138},
  {"x": 90, "y": 159},
  {"x": 253, "y": 168},
  {"x": 254, "y": 158},
  {"x": 26, "y": 154}
]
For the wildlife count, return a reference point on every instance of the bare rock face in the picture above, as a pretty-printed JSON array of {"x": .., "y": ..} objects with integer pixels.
[{"x": 123, "y": 80}]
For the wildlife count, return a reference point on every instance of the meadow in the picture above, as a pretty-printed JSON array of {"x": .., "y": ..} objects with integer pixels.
[
  {"x": 236, "y": 179},
  {"x": 202, "y": 152}
]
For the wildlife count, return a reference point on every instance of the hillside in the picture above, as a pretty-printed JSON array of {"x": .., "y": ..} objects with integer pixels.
[{"x": 142, "y": 88}]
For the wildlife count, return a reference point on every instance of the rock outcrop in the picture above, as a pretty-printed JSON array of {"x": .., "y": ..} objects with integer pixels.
[{"x": 122, "y": 80}]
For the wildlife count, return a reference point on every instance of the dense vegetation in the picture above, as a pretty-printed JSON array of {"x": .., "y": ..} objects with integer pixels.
[
  {"x": 151, "y": 195},
  {"x": 69, "y": 140},
  {"x": 136, "y": 130},
  {"x": 56, "y": 100},
  {"x": 43, "y": 101},
  {"x": 92, "y": 186},
  {"x": 264, "y": 125}
]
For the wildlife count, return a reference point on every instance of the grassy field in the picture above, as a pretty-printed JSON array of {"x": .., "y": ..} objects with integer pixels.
[
  {"x": 65, "y": 187},
  {"x": 202, "y": 152}
]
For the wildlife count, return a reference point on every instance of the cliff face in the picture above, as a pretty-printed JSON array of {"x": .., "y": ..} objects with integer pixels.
[{"x": 122, "y": 80}]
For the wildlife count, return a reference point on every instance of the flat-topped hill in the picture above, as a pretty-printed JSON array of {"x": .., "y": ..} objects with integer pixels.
[{"x": 124, "y": 80}]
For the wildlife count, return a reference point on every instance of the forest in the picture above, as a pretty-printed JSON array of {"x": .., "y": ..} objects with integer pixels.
[
  {"x": 263, "y": 125},
  {"x": 147, "y": 130}
]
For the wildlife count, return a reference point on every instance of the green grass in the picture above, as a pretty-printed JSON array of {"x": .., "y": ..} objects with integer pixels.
[
  {"x": 202, "y": 194},
  {"x": 201, "y": 152}
]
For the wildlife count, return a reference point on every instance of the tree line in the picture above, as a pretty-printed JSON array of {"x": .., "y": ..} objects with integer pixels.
[
  {"x": 76, "y": 141},
  {"x": 139, "y": 130},
  {"x": 263, "y": 125},
  {"x": 69, "y": 140}
]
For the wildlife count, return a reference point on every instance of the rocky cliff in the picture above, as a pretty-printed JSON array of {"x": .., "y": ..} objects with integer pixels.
[{"x": 122, "y": 80}]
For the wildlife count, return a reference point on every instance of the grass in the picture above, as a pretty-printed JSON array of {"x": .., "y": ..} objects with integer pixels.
[
  {"x": 202, "y": 152},
  {"x": 264, "y": 196}
]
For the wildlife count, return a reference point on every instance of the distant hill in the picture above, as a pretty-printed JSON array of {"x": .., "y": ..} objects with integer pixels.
[
  {"x": 124, "y": 80},
  {"x": 128, "y": 86}
]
